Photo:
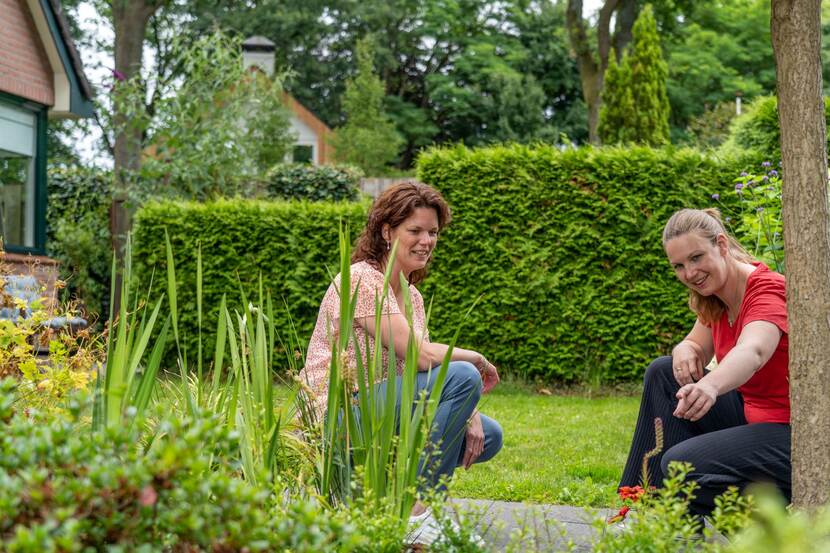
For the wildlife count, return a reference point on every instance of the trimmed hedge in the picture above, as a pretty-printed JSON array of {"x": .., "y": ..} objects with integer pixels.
[
  {"x": 293, "y": 245},
  {"x": 565, "y": 248}
]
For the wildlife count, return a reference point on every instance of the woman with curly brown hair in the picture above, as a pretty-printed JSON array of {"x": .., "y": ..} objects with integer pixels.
[{"x": 410, "y": 214}]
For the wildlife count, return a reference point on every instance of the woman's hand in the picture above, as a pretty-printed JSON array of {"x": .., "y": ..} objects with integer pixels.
[
  {"x": 695, "y": 400},
  {"x": 489, "y": 374},
  {"x": 474, "y": 440},
  {"x": 687, "y": 365}
]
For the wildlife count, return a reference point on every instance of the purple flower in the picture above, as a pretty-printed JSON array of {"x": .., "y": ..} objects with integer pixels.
[
  {"x": 728, "y": 219},
  {"x": 759, "y": 209},
  {"x": 119, "y": 76},
  {"x": 766, "y": 164},
  {"x": 750, "y": 183},
  {"x": 738, "y": 187},
  {"x": 716, "y": 197},
  {"x": 765, "y": 178},
  {"x": 743, "y": 173},
  {"x": 773, "y": 173}
]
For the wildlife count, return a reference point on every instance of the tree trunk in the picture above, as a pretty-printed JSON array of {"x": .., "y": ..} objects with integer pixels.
[
  {"x": 129, "y": 20},
  {"x": 623, "y": 26},
  {"x": 796, "y": 40},
  {"x": 591, "y": 67}
]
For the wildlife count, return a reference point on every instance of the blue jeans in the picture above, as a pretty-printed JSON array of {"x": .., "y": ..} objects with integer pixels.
[{"x": 462, "y": 390}]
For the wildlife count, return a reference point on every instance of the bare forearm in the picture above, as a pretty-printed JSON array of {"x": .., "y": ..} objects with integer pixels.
[
  {"x": 433, "y": 354},
  {"x": 735, "y": 369}
]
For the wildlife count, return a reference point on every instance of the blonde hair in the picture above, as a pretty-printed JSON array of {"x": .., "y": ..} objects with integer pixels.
[{"x": 707, "y": 224}]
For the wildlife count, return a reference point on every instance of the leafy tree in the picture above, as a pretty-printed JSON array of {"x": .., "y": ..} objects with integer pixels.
[
  {"x": 636, "y": 105},
  {"x": 368, "y": 139},
  {"x": 721, "y": 49}
]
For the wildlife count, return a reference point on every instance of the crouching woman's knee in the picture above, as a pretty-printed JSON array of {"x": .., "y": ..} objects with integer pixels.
[
  {"x": 660, "y": 369},
  {"x": 493, "y": 438},
  {"x": 463, "y": 377}
]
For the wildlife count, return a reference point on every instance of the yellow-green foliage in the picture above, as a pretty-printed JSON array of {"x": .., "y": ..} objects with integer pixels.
[
  {"x": 48, "y": 380},
  {"x": 566, "y": 249},
  {"x": 292, "y": 245}
]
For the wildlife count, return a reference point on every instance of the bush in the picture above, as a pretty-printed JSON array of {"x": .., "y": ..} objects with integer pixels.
[
  {"x": 315, "y": 183},
  {"x": 757, "y": 128},
  {"x": 70, "y": 490},
  {"x": 78, "y": 233},
  {"x": 292, "y": 246},
  {"x": 565, "y": 248}
]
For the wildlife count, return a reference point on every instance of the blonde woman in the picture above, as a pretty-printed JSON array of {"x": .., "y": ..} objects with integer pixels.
[{"x": 732, "y": 423}]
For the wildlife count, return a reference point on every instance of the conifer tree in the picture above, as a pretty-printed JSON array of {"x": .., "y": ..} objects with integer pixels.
[
  {"x": 617, "y": 103},
  {"x": 636, "y": 104},
  {"x": 368, "y": 139}
]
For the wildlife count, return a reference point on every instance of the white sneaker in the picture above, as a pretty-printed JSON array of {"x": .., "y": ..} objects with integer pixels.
[{"x": 423, "y": 529}]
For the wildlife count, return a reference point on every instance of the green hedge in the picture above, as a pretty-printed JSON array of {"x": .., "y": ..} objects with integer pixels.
[
  {"x": 293, "y": 245},
  {"x": 563, "y": 246},
  {"x": 565, "y": 249}
]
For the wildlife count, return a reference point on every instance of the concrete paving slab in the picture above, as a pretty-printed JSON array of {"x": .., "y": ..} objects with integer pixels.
[{"x": 530, "y": 527}]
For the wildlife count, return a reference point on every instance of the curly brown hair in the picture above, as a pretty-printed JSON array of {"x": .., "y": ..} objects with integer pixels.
[{"x": 392, "y": 208}]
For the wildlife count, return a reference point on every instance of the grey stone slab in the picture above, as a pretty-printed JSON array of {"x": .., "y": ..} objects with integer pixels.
[{"x": 530, "y": 527}]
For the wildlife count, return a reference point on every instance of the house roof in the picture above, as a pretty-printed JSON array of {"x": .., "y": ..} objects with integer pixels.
[{"x": 73, "y": 93}]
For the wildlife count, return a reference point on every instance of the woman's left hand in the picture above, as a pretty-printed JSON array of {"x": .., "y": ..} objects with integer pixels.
[
  {"x": 474, "y": 440},
  {"x": 695, "y": 400},
  {"x": 489, "y": 376}
]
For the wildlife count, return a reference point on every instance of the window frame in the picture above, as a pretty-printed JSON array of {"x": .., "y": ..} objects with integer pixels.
[{"x": 41, "y": 192}]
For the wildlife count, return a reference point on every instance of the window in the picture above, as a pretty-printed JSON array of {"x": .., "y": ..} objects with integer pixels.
[
  {"x": 303, "y": 154},
  {"x": 18, "y": 134}
]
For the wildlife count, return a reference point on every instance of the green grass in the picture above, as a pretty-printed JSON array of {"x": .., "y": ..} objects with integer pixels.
[
  {"x": 566, "y": 449},
  {"x": 562, "y": 449}
]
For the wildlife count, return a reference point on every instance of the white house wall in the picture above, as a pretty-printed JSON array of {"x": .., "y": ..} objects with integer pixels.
[{"x": 305, "y": 137}]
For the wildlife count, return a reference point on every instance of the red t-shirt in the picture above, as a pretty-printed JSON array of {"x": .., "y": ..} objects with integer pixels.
[{"x": 767, "y": 394}]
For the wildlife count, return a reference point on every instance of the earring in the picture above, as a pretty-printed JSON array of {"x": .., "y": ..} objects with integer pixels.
[{"x": 388, "y": 246}]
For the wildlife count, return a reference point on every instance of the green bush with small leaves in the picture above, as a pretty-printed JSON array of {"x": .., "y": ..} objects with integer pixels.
[
  {"x": 564, "y": 249},
  {"x": 65, "y": 489},
  {"x": 757, "y": 128},
  {"x": 311, "y": 182}
]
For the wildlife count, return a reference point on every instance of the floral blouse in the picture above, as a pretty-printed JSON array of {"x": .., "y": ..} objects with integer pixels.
[{"x": 315, "y": 373}]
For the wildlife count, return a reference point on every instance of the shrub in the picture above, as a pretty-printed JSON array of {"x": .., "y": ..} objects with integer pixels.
[
  {"x": 291, "y": 246},
  {"x": 565, "y": 248},
  {"x": 315, "y": 183},
  {"x": 78, "y": 233},
  {"x": 757, "y": 128},
  {"x": 70, "y": 490}
]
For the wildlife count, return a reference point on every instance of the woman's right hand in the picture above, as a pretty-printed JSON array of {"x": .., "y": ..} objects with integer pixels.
[{"x": 687, "y": 365}]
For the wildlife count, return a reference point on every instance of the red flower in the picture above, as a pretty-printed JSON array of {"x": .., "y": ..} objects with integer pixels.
[{"x": 148, "y": 496}]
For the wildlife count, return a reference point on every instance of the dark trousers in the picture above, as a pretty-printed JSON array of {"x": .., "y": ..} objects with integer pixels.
[{"x": 723, "y": 449}]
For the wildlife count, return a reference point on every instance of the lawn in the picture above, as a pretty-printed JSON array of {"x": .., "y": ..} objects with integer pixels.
[{"x": 562, "y": 449}]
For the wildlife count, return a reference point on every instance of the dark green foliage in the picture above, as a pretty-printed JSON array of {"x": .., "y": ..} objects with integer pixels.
[
  {"x": 68, "y": 489},
  {"x": 78, "y": 232},
  {"x": 565, "y": 248},
  {"x": 292, "y": 245},
  {"x": 636, "y": 106},
  {"x": 313, "y": 182},
  {"x": 757, "y": 128}
]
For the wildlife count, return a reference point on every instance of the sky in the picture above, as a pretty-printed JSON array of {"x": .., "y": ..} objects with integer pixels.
[{"x": 98, "y": 69}]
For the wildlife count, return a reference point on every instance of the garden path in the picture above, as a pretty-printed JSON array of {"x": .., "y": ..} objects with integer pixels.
[{"x": 547, "y": 527}]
